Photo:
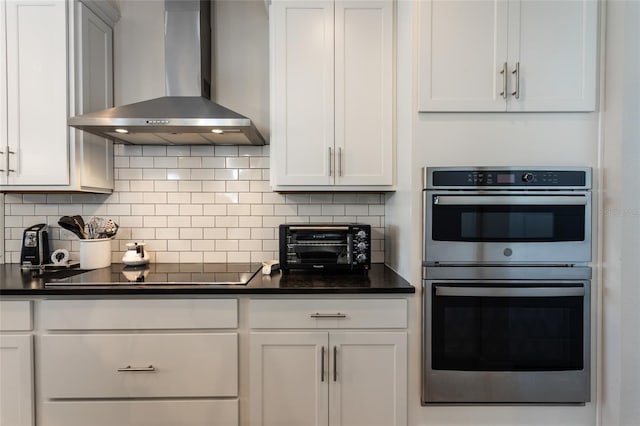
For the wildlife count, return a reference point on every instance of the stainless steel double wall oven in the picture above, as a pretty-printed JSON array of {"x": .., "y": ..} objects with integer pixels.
[{"x": 506, "y": 285}]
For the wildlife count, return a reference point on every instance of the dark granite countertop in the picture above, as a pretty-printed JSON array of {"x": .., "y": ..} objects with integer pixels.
[{"x": 186, "y": 278}]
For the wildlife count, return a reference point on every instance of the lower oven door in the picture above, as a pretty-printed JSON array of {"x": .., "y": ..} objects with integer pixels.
[{"x": 506, "y": 342}]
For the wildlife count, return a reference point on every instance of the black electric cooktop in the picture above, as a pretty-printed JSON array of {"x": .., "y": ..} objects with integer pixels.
[{"x": 161, "y": 274}]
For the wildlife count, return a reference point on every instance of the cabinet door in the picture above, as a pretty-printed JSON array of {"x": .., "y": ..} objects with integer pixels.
[
  {"x": 3, "y": 94},
  {"x": 368, "y": 370},
  {"x": 364, "y": 92},
  {"x": 302, "y": 92},
  {"x": 463, "y": 49},
  {"x": 555, "y": 43},
  {"x": 37, "y": 92},
  {"x": 288, "y": 379},
  {"x": 16, "y": 386},
  {"x": 94, "y": 82}
]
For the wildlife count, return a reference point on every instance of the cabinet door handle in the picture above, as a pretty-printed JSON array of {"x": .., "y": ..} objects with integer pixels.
[
  {"x": 2, "y": 153},
  {"x": 336, "y": 315},
  {"x": 335, "y": 363},
  {"x": 340, "y": 162},
  {"x": 504, "y": 81},
  {"x": 322, "y": 364},
  {"x": 130, "y": 368},
  {"x": 516, "y": 72},
  {"x": 9, "y": 169},
  {"x": 330, "y": 161}
]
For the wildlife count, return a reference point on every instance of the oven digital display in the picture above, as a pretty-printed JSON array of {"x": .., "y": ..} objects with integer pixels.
[{"x": 506, "y": 178}]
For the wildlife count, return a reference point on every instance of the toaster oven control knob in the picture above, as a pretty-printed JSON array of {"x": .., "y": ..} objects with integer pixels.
[
  {"x": 361, "y": 235},
  {"x": 361, "y": 258},
  {"x": 361, "y": 246},
  {"x": 527, "y": 177}
]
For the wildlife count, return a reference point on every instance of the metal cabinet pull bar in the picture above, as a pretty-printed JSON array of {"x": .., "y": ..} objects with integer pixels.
[
  {"x": 130, "y": 368},
  {"x": 322, "y": 364},
  {"x": 9, "y": 169},
  {"x": 516, "y": 72},
  {"x": 335, "y": 363},
  {"x": 504, "y": 81},
  {"x": 510, "y": 291},
  {"x": 497, "y": 200},
  {"x": 340, "y": 162},
  {"x": 336, "y": 315},
  {"x": 330, "y": 161}
]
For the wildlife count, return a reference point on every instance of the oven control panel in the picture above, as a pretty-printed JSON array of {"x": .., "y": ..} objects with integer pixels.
[{"x": 508, "y": 178}]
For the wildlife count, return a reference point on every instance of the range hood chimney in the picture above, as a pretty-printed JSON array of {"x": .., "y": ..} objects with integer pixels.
[{"x": 186, "y": 115}]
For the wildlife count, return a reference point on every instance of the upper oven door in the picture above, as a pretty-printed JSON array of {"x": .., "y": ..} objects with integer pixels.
[{"x": 513, "y": 227}]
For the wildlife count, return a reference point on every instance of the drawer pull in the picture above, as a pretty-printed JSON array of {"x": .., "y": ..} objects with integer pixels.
[
  {"x": 322, "y": 365},
  {"x": 336, "y": 315},
  {"x": 130, "y": 368}
]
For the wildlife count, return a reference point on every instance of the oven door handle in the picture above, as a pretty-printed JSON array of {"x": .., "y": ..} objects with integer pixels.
[
  {"x": 509, "y": 291},
  {"x": 523, "y": 200}
]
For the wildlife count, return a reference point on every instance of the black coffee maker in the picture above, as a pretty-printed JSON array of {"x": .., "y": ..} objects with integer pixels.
[{"x": 35, "y": 246}]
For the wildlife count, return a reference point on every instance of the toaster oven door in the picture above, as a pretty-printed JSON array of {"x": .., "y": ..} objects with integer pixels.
[{"x": 318, "y": 248}]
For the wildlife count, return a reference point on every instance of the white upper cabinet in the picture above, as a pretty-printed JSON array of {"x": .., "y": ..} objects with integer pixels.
[
  {"x": 332, "y": 94},
  {"x": 57, "y": 63},
  {"x": 508, "y": 55},
  {"x": 35, "y": 147}
]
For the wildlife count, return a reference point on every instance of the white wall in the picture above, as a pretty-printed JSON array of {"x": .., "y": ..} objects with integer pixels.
[{"x": 621, "y": 220}]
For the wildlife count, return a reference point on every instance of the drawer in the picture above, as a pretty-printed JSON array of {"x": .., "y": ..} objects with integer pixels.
[
  {"x": 139, "y": 365},
  {"x": 140, "y": 413},
  {"x": 135, "y": 314},
  {"x": 327, "y": 313},
  {"x": 15, "y": 315}
]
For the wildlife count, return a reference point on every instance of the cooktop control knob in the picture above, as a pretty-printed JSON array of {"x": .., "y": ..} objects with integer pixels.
[{"x": 527, "y": 177}]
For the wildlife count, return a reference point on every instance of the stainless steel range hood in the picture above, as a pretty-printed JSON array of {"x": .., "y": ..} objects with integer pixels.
[{"x": 186, "y": 115}]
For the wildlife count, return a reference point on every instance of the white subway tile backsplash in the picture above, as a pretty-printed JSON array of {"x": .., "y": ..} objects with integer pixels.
[
  {"x": 239, "y": 209},
  {"x": 167, "y": 209},
  {"x": 192, "y": 204},
  {"x": 250, "y": 221},
  {"x": 151, "y": 222},
  {"x": 179, "y": 221},
  {"x": 128, "y": 174},
  {"x": 236, "y": 163},
  {"x": 190, "y": 186},
  {"x": 140, "y": 185},
  {"x": 139, "y": 162},
  {"x": 179, "y": 150},
  {"x": 179, "y": 197},
  {"x": 215, "y": 209},
  {"x": 168, "y": 233},
  {"x": 226, "y": 151},
  {"x": 189, "y": 162},
  {"x": 178, "y": 174},
  {"x": 225, "y": 174},
  {"x": 190, "y": 209},
  {"x": 156, "y": 174},
  {"x": 154, "y": 150}
]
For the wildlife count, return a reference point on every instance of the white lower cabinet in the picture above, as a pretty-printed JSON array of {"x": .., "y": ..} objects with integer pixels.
[
  {"x": 136, "y": 362},
  {"x": 327, "y": 377},
  {"x": 16, "y": 363},
  {"x": 16, "y": 385}
]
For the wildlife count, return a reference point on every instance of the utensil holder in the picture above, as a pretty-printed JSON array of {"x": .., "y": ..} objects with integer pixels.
[{"x": 95, "y": 253}]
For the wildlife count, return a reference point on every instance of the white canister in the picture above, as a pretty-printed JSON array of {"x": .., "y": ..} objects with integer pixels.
[{"x": 95, "y": 253}]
